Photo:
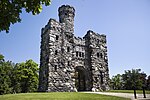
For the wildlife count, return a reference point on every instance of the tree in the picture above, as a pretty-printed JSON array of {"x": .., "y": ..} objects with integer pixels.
[
  {"x": 1, "y": 58},
  {"x": 5, "y": 75},
  {"x": 10, "y": 10},
  {"x": 148, "y": 83},
  {"x": 116, "y": 82},
  {"x": 17, "y": 78},
  {"x": 25, "y": 77},
  {"x": 132, "y": 79},
  {"x": 143, "y": 79}
]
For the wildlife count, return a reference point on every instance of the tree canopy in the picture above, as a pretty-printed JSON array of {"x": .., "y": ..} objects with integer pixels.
[
  {"x": 148, "y": 82},
  {"x": 131, "y": 79},
  {"x": 10, "y": 10},
  {"x": 116, "y": 82},
  {"x": 25, "y": 77},
  {"x": 5, "y": 77},
  {"x": 18, "y": 78}
]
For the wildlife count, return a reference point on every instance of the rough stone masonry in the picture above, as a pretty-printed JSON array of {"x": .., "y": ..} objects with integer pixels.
[{"x": 69, "y": 63}]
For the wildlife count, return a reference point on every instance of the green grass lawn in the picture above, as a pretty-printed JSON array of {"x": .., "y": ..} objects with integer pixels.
[
  {"x": 129, "y": 91},
  {"x": 58, "y": 96}
]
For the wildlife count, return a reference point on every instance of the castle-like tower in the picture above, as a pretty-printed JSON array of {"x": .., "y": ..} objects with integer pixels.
[{"x": 69, "y": 63}]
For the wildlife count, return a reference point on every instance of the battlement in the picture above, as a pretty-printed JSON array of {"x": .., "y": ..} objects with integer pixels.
[
  {"x": 66, "y": 16},
  {"x": 66, "y": 9}
]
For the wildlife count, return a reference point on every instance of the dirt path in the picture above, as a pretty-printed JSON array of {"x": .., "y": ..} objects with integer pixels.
[{"x": 125, "y": 95}]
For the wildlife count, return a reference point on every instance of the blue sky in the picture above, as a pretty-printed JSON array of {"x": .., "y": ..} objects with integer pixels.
[{"x": 125, "y": 22}]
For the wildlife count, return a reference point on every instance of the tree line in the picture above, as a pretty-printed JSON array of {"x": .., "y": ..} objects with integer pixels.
[
  {"x": 131, "y": 79},
  {"x": 18, "y": 78}
]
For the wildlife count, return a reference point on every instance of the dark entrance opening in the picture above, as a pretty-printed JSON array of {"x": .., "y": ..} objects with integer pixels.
[{"x": 80, "y": 80}]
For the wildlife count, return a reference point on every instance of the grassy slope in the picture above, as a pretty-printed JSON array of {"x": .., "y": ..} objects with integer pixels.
[
  {"x": 58, "y": 96},
  {"x": 129, "y": 91}
]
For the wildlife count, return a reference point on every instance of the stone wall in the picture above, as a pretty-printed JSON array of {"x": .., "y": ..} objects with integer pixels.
[
  {"x": 69, "y": 63},
  {"x": 98, "y": 61}
]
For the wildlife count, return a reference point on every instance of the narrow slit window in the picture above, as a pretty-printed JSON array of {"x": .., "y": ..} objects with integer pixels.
[
  {"x": 101, "y": 76},
  {"x": 68, "y": 49},
  {"x": 91, "y": 51},
  {"x": 97, "y": 55},
  {"x": 101, "y": 55},
  {"x": 57, "y": 37},
  {"x": 80, "y": 54},
  {"x": 62, "y": 50},
  {"x": 47, "y": 59},
  {"x": 76, "y": 54},
  {"x": 56, "y": 52},
  {"x": 55, "y": 68},
  {"x": 68, "y": 63}
]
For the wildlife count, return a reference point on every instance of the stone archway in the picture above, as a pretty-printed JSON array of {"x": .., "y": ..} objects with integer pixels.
[{"x": 80, "y": 78}]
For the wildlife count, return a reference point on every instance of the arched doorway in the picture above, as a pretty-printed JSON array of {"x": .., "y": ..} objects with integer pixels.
[{"x": 80, "y": 79}]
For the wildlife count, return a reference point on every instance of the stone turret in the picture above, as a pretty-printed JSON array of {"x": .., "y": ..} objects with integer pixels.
[{"x": 66, "y": 16}]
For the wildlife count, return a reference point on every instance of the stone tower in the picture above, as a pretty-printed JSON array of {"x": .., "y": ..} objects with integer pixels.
[
  {"x": 66, "y": 15},
  {"x": 69, "y": 63}
]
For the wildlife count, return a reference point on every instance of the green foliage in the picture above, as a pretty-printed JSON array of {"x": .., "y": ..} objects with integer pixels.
[
  {"x": 60, "y": 96},
  {"x": 131, "y": 79},
  {"x": 1, "y": 58},
  {"x": 5, "y": 76},
  {"x": 148, "y": 83},
  {"x": 116, "y": 82},
  {"x": 10, "y": 10},
  {"x": 16, "y": 78},
  {"x": 26, "y": 77}
]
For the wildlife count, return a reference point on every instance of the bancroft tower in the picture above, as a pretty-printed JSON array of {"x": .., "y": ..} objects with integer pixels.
[{"x": 69, "y": 63}]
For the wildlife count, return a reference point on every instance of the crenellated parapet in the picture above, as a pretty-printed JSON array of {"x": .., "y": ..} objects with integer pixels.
[{"x": 66, "y": 16}]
